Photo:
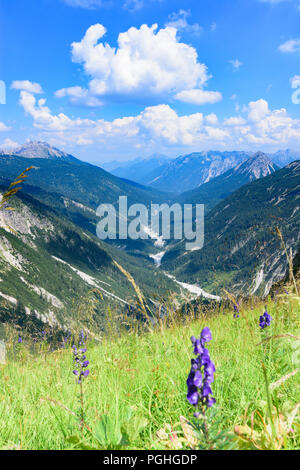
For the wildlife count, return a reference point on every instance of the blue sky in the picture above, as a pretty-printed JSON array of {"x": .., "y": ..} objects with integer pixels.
[{"x": 118, "y": 79}]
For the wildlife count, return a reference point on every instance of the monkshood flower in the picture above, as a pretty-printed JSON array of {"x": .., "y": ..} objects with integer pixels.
[
  {"x": 236, "y": 312},
  {"x": 80, "y": 360},
  {"x": 265, "y": 320},
  {"x": 20, "y": 339},
  {"x": 201, "y": 374}
]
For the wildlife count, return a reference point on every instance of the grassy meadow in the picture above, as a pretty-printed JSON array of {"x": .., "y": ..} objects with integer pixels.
[{"x": 135, "y": 394}]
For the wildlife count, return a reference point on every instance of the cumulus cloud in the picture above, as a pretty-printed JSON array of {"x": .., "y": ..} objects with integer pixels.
[
  {"x": 212, "y": 119},
  {"x": 235, "y": 121},
  {"x": 293, "y": 45},
  {"x": 161, "y": 126},
  {"x": 27, "y": 86},
  {"x": 147, "y": 62},
  {"x": 78, "y": 96},
  {"x": 258, "y": 110},
  {"x": 43, "y": 118},
  {"x": 272, "y": 126},
  {"x": 199, "y": 96}
]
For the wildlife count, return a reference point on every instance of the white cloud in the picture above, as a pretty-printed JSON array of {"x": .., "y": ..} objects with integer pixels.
[
  {"x": 179, "y": 21},
  {"x": 133, "y": 5},
  {"x": 212, "y": 119},
  {"x": 272, "y": 126},
  {"x": 293, "y": 45},
  {"x": 198, "y": 96},
  {"x": 9, "y": 144},
  {"x": 89, "y": 4},
  {"x": 27, "y": 86},
  {"x": 78, "y": 96},
  {"x": 43, "y": 118},
  {"x": 236, "y": 63},
  {"x": 147, "y": 62},
  {"x": 160, "y": 127},
  {"x": 235, "y": 121},
  {"x": 258, "y": 110},
  {"x": 4, "y": 127}
]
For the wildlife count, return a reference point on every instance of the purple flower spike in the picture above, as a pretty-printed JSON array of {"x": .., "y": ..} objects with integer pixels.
[
  {"x": 201, "y": 374},
  {"x": 236, "y": 310},
  {"x": 80, "y": 360}
]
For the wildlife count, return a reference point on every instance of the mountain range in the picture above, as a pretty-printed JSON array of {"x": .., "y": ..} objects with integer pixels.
[
  {"x": 188, "y": 172},
  {"x": 242, "y": 250},
  {"x": 50, "y": 257},
  {"x": 218, "y": 188}
]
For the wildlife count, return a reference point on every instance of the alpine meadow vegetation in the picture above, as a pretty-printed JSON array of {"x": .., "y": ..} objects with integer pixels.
[{"x": 134, "y": 394}]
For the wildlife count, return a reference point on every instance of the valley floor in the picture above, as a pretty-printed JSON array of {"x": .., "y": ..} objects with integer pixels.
[{"x": 137, "y": 387}]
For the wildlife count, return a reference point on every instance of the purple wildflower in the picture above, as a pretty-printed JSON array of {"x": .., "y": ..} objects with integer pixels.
[
  {"x": 20, "y": 339},
  {"x": 236, "y": 312},
  {"x": 201, "y": 374},
  {"x": 80, "y": 360},
  {"x": 265, "y": 320}
]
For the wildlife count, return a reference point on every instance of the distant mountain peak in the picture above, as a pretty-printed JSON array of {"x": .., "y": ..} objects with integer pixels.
[
  {"x": 190, "y": 171},
  {"x": 39, "y": 149},
  {"x": 284, "y": 157},
  {"x": 256, "y": 166}
]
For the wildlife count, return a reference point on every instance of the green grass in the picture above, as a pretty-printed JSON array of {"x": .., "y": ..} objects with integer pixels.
[{"x": 139, "y": 382}]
